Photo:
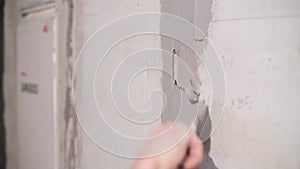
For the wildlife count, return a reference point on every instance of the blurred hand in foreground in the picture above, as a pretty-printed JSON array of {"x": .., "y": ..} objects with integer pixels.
[{"x": 188, "y": 154}]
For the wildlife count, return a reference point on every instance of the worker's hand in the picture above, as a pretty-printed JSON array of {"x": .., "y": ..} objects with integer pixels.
[{"x": 188, "y": 154}]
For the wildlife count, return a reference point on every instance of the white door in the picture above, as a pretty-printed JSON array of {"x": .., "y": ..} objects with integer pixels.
[{"x": 36, "y": 92}]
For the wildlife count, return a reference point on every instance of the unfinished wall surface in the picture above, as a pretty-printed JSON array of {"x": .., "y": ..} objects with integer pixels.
[
  {"x": 96, "y": 14},
  {"x": 259, "y": 44},
  {"x": 196, "y": 52}
]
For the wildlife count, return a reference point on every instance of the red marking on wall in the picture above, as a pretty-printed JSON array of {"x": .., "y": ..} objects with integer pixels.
[
  {"x": 24, "y": 74},
  {"x": 45, "y": 29}
]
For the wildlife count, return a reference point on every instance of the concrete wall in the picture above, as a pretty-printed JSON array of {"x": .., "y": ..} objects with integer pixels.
[
  {"x": 259, "y": 46},
  {"x": 258, "y": 42},
  {"x": 96, "y": 14}
]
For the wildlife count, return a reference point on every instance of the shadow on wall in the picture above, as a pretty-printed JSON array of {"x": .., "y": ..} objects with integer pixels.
[{"x": 208, "y": 162}]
